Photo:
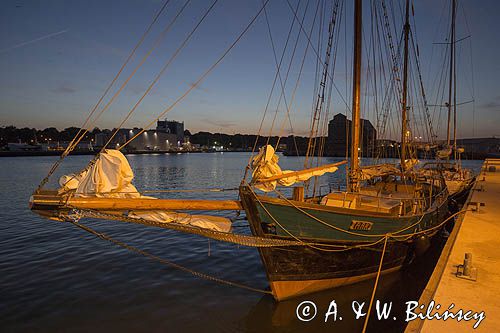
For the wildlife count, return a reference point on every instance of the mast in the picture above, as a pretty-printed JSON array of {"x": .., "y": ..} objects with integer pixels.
[
  {"x": 405, "y": 89},
  {"x": 356, "y": 82},
  {"x": 452, "y": 58},
  {"x": 454, "y": 83}
]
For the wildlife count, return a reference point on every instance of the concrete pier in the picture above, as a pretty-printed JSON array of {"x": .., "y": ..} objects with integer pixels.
[{"x": 476, "y": 232}]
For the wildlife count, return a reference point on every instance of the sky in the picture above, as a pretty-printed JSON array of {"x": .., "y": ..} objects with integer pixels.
[{"x": 58, "y": 56}]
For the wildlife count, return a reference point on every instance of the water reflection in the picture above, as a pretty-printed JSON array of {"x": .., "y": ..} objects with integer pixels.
[
  {"x": 55, "y": 277},
  {"x": 396, "y": 288}
]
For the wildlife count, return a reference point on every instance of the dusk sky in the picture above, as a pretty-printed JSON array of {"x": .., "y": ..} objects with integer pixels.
[{"x": 58, "y": 56}]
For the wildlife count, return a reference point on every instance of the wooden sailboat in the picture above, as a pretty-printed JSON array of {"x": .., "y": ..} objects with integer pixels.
[
  {"x": 458, "y": 180},
  {"x": 308, "y": 244},
  {"x": 343, "y": 231}
]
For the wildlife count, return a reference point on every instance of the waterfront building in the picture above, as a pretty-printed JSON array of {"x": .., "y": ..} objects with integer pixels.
[
  {"x": 338, "y": 141},
  {"x": 18, "y": 146},
  {"x": 148, "y": 140},
  {"x": 171, "y": 127}
]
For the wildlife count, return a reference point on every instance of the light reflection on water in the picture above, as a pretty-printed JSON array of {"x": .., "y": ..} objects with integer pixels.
[{"x": 55, "y": 277}]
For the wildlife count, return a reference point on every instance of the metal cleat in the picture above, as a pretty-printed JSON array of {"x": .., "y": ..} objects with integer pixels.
[{"x": 475, "y": 205}]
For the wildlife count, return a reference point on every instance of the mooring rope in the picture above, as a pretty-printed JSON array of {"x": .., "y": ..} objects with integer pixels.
[
  {"x": 75, "y": 215},
  {"x": 166, "y": 262},
  {"x": 376, "y": 283}
]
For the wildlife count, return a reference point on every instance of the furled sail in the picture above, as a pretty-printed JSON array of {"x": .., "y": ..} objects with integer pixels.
[
  {"x": 379, "y": 170},
  {"x": 411, "y": 163},
  {"x": 110, "y": 176},
  {"x": 443, "y": 153},
  {"x": 267, "y": 174}
]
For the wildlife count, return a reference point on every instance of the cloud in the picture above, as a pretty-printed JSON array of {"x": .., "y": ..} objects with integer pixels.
[
  {"x": 64, "y": 88},
  {"x": 107, "y": 49},
  {"x": 33, "y": 41},
  {"x": 297, "y": 133},
  {"x": 218, "y": 123},
  {"x": 494, "y": 104},
  {"x": 138, "y": 89}
]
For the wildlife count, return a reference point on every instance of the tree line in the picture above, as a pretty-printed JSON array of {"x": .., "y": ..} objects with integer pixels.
[{"x": 28, "y": 135}]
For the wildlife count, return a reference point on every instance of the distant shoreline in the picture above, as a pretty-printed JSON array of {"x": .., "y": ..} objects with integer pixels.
[
  {"x": 173, "y": 152},
  {"x": 152, "y": 152}
]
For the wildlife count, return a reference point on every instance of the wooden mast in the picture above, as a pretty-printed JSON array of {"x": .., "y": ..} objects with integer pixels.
[
  {"x": 356, "y": 82},
  {"x": 453, "y": 45},
  {"x": 404, "y": 128},
  {"x": 452, "y": 55}
]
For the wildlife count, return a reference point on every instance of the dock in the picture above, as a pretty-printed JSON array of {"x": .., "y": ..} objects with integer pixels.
[{"x": 477, "y": 288}]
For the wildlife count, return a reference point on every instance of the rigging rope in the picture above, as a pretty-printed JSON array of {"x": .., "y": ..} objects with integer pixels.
[
  {"x": 430, "y": 128},
  {"x": 329, "y": 225},
  {"x": 143, "y": 60},
  {"x": 239, "y": 239},
  {"x": 317, "y": 54},
  {"x": 393, "y": 234},
  {"x": 292, "y": 56},
  {"x": 201, "y": 78},
  {"x": 164, "y": 68},
  {"x": 320, "y": 114},
  {"x": 71, "y": 145},
  {"x": 311, "y": 245},
  {"x": 247, "y": 168},
  {"x": 320, "y": 99}
]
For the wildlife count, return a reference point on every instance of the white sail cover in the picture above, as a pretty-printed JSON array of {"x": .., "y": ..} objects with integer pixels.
[
  {"x": 411, "y": 163},
  {"x": 265, "y": 165},
  {"x": 379, "y": 170},
  {"x": 110, "y": 176},
  {"x": 443, "y": 153}
]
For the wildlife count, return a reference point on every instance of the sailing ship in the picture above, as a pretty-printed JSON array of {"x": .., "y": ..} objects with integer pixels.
[
  {"x": 342, "y": 230},
  {"x": 306, "y": 244},
  {"x": 459, "y": 180}
]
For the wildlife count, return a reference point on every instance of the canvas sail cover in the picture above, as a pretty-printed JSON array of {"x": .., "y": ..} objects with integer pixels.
[
  {"x": 411, "y": 163},
  {"x": 379, "y": 170},
  {"x": 265, "y": 165},
  {"x": 443, "y": 153},
  {"x": 110, "y": 176},
  {"x": 370, "y": 171}
]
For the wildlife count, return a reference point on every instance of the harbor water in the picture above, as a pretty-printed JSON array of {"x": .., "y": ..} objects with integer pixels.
[{"x": 55, "y": 277}]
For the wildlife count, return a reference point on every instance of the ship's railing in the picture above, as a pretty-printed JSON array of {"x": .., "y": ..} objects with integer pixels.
[{"x": 405, "y": 203}]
